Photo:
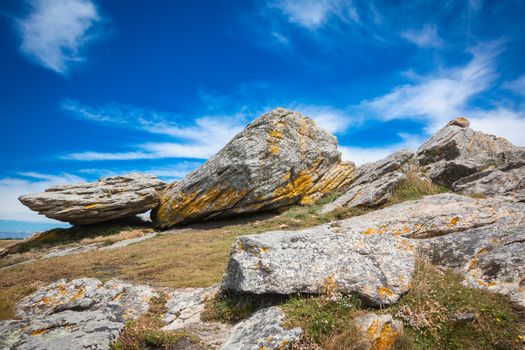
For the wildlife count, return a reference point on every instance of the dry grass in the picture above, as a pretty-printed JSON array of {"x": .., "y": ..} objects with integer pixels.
[{"x": 4, "y": 243}]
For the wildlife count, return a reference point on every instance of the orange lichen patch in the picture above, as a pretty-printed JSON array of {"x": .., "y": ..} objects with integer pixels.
[
  {"x": 375, "y": 231},
  {"x": 483, "y": 251},
  {"x": 472, "y": 264},
  {"x": 386, "y": 339},
  {"x": 80, "y": 292},
  {"x": 40, "y": 331},
  {"x": 46, "y": 300},
  {"x": 274, "y": 149},
  {"x": 336, "y": 177},
  {"x": 405, "y": 245},
  {"x": 61, "y": 289},
  {"x": 294, "y": 188},
  {"x": 453, "y": 221},
  {"x": 89, "y": 206},
  {"x": 405, "y": 229},
  {"x": 275, "y": 134},
  {"x": 117, "y": 297},
  {"x": 329, "y": 287},
  {"x": 373, "y": 329},
  {"x": 384, "y": 292}
]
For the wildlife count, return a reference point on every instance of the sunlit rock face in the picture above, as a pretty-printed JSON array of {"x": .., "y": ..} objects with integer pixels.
[
  {"x": 107, "y": 199},
  {"x": 279, "y": 159}
]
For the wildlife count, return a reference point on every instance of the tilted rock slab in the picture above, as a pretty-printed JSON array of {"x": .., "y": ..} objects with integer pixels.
[
  {"x": 274, "y": 162},
  {"x": 374, "y": 183},
  {"x": 81, "y": 314},
  {"x": 455, "y": 152},
  {"x": 107, "y": 199},
  {"x": 263, "y": 330},
  {"x": 323, "y": 259}
]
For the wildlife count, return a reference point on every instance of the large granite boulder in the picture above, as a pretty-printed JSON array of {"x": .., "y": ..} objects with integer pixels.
[
  {"x": 107, "y": 199},
  {"x": 457, "y": 151},
  {"x": 81, "y": 314},
  {"x": 323, "y": 259},
  {"x": 373, "y": 254},
  {"x": 274, "y": 162},
  {"x": 374, "y": 183}
]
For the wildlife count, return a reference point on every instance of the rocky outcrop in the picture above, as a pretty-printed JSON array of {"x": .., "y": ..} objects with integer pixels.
[
  {"x": 456, "y": 152},
  {"x": 374, "y": 183},
  {"x": 324, "y": 259},
  {"x": 107, "y": 199},
  {"x": 81, "y": 314},
  {"x": 274, "y": 162},
  {"x": 381, "y": 330},
  {"x": 373, "y": 254},
  {"x": 263, "y": 330}
]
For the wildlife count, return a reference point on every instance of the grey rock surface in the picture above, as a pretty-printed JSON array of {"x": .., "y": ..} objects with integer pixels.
[
  {"x": 509, "y": 182},
  {"x": 323, "y": 259},
  {"x": 374, "y": 183},
  {"x": 491, "y": 257},
  {"x": 274, "y": 162},
  {"x": 263, "y": 330},
  {"x": 81, "y": 314},
  {"x": 104, "y": 200},
  {"x": 455, "y": 152}
]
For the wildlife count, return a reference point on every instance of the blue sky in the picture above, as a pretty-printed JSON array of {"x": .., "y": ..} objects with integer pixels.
[{"x": 91, "y": 88}]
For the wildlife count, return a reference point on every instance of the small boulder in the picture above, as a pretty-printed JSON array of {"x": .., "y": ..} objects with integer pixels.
[
  {"x": 374, "y": 183},
  {"x": 263, "y": 330},
  {"x": 274, "y": 162},
  {"x": 107, "y": 199}
]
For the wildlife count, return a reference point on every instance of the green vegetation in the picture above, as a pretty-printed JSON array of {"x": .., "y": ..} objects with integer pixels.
[
  {"x": 414, "y": 187},
  {"x": 430, "y": 312},
  {"x": 145, "y": 332},
  {"x": 229, "y": 309}
]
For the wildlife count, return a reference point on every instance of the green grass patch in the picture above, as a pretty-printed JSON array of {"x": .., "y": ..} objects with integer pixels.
[
  {"x": 234, "y": 308},
  {"x": 414, "y": 187},
  {"x": 429, "y": 312}
]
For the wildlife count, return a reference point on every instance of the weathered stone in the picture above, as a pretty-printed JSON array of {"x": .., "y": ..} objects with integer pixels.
[
  {"x": 455, "y": 152},
  {"x": 263, "y": 330},
  {"x": 509, "y": 182},
  {"x": 374, "y": 183},
  {"x": 81, "y": 314},
  {"x": 89, "y": 203},
  {"x": 323, "y": 259},
  {"x": 381, "y": 330},
  {"x": 491, "y": 257},
  {"x": 184, "y": 309},
  {"x": 274, "y": 162},
  {"x": 337, "y": 178}
]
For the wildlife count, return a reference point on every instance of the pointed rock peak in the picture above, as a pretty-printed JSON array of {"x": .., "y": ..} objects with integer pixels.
[{"x": 462, "y": 122}]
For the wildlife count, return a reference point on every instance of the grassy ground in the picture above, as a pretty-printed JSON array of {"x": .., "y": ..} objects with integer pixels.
[
  {"x": 4, "y": 243},
  {"x": 195, "y": 257}
]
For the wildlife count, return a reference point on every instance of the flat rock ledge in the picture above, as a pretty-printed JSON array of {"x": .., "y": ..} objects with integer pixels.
[
  {"x": 81, "y": 314},
  {"x": 107, "y": 199}
]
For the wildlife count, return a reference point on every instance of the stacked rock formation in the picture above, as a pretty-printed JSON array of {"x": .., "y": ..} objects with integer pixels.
[
  {"x": 279, "y": 159},
  {"x": 107, "y": 199}
]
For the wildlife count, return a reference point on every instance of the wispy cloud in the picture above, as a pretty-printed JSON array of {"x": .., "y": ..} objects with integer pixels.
[
  {"x": 29, "y": 182},
  {"x": 312, "y": 14},
  {"x": 518, "y": 85},
  {"x": 427, "y": 36},
  {"x": 55, "y": 32}
]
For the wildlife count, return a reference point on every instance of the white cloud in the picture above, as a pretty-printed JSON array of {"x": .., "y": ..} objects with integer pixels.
[
  {"x": 12, "y": 188},
  {"x": 440, "y": 96},
  {"x": 329, "y": 118},
  {"x": 200, "y": 139},
  {"x": 518, "y": 85},
  {"x": 424, "y": 37},
  {"x": 501, "y": 122},
  {"x": 55, "y": 32}
]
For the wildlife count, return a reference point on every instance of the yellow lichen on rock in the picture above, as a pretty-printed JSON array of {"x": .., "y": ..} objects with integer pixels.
[
  {"x": 384, "y": 292},
  {"x": 386, "y": 339},
  {"x": 89, "y": 206}
]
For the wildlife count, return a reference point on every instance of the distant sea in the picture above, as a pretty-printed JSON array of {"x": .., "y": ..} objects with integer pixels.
[{"x": 15, "y": 235}]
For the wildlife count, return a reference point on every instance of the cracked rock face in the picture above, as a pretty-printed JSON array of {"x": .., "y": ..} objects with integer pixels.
[
  {"x": 456, "y": 152},
  {"x": 322, "y": 259},
  {"x": 374, "y": 183},
  {"x": 81, "y": 314},
  {"x": 263, "y": 330},
  {"x": 274, "y": 162},
  {"x": 107, "y": 199}
]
